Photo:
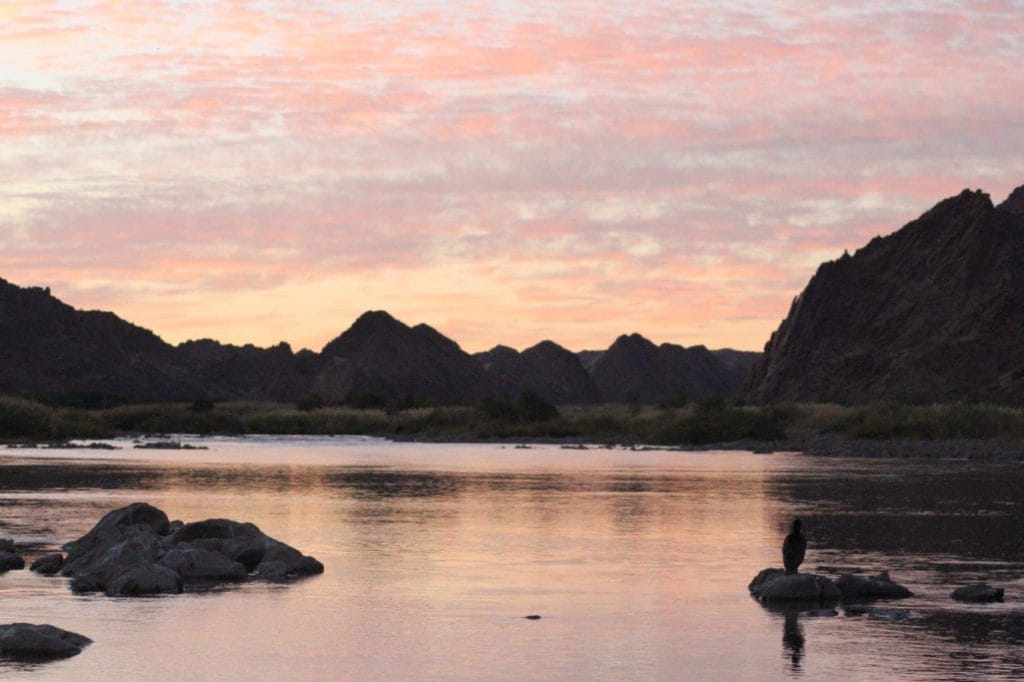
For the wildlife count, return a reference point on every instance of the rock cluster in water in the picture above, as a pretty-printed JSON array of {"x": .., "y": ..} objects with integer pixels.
[
  {"x": 775, "y": 586},
  {"x": 136, "y": 550},
  {"x": 25, "y": 641}
]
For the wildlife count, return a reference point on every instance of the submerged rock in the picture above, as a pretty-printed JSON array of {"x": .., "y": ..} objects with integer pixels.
[
  {"x": 10, "y": 561},
  {"x": 875, "y": 587},
  {"x": 136, "y": 551},
  {"x": 774, "y": 585},
  {"x": 820, "y": 613},
  {"x": 168, "y": 445},
  {"x": 880, "y": 613},
  {"x": 978, "y": 593},
  {"x": 48, "y": 564},
  {"x": 24, "y": 641}
]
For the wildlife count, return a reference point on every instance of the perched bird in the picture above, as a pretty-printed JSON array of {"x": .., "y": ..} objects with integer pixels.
[{"x": 793, "y": 548}]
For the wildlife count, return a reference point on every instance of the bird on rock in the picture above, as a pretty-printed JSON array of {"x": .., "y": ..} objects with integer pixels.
[{"x": 793, "y": 548}]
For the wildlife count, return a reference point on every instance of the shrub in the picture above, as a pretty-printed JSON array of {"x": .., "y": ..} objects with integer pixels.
[
  {"x": 533, "y": 408},
  {"x": 202, "y": 405},
  {"x": 311, "y": 402},
  {"x": 25, "y": 419},
  {"x": 499, "y": 408}
]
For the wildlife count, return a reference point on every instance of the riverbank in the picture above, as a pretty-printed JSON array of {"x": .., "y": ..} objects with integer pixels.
[{"x": 949, "y": 430}]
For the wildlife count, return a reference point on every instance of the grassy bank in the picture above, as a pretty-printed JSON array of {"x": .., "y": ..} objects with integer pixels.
[{"x": 693, "y": 424}]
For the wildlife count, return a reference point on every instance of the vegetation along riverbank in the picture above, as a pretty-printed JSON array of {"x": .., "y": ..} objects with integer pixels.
[{"x": 980, "y": 431}]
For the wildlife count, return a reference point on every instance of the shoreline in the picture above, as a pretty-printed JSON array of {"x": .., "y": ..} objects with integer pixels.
[
  {"x": 820, "y": 445},
  {"x": 967, "y": 431}
]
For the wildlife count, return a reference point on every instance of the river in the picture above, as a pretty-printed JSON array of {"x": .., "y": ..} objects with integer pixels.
[{"x": 636, "y": 561}]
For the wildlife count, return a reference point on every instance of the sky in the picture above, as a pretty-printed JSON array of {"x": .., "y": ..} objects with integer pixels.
[{"x": 504, "y": 171}]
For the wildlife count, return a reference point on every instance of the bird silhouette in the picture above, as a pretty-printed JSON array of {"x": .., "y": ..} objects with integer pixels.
[{"x": 793, "y": 548}]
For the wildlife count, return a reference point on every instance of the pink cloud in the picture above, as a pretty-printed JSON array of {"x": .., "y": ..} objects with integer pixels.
[{"x": 677, "y": 169}]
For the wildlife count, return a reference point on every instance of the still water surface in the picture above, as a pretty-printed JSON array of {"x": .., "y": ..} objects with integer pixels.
[{"x": 637, "y": 562}]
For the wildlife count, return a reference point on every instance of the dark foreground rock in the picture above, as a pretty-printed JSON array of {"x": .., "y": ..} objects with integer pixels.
[
  {"x": 978, "y": 593},
  {"x": 136, "y": 551},
  {"x": 10, "y": 561},
  {"x": 856, "y": 587},
  {"x": 6, "y": 545},
  {"x": 24, "y": 641},
  {"x": 48, "y": 564},
  {"x": 774, "y": 585}
]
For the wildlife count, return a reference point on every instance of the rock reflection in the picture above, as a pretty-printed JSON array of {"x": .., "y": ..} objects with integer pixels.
[
  {"x": 385, "y": 484},
  {"x": 51, "y": 475}
]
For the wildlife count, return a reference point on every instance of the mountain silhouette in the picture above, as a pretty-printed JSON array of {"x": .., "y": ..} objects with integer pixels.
[
  {"x": 635, "y": 370},
  {"x": 380, "y": 357},
  {"x": 51, "y": 351},
  {"x": 933, "y": 311},
  {"x": 551, "y": 371}
]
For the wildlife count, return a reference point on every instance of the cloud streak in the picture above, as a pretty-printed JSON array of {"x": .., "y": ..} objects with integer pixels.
[{"x": 508, "y": 172}]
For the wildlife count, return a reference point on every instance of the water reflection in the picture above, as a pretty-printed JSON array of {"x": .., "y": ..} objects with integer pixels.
[
  {"x": 384, "y": 484},
  {"x": 793, "y": 639},
  {"x": 625, "y": 554},
  {"x": 910, "y": 507}
]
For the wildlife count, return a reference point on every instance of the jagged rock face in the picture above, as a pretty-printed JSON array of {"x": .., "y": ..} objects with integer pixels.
[
  {"x": 634, "y": 370},
  {"x": 554, "y": 373},
  {"x": 933, "y": 311},
  {"x": 380, "y": 356}
]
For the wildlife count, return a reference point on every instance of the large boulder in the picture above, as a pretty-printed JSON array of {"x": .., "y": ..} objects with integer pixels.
[
  {"x": 140, "y": 514},
  {"x": 213, "y": 529},
  {"x": 48, "y": 564},
  {"x": 126, "y": 548},
  {"x": 281, "y": 562},
  {"x": 198, "y": 565},
  {"x": 856, "y": 587},
  {"x": 10, "y": 561},
  {"x": 978, "y": 593},
  {"x": 246, "y": 544},
  {"x": 143, "y": 580},
  {"x": 774, "y": 585},
  {"x": 24, "y": 641}
]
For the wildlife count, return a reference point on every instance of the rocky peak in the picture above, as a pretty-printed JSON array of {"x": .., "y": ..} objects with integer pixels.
[
  {"x": 634, "y": 369},
  {"x": 1014, "y": 203},
  {"x": 382, "y": 357}
]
